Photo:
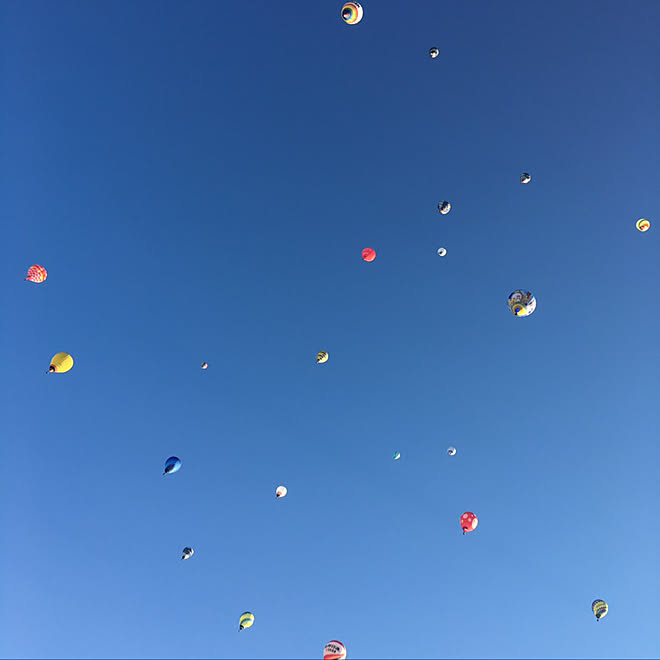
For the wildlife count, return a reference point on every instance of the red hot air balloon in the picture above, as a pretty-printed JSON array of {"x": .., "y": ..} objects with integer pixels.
[
  {"x": 468, "y": 521},
  {"x": 368, "y": 254},
  {"x": 36, "y": 273}
]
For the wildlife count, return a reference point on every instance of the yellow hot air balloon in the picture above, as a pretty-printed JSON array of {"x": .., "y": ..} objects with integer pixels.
[
  {"x": 245, "y": 620},
  {"x": 321, "y": 357},
  {"x": 599, "y": 608},
  {"x": 643, "y": 224},
  {"x": 60, "y": 363}
]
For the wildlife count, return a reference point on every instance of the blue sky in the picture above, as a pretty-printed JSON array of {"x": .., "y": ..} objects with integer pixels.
[{"x": 199, "y": 179}]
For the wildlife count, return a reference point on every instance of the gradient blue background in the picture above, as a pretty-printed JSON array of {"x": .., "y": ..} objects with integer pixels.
[{"x": 199, "y": 179}]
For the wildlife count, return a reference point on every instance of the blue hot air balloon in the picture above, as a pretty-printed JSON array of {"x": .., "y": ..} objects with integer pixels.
[{"x": 172, "y": 464}]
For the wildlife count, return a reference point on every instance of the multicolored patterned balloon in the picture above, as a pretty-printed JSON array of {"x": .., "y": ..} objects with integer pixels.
[
  {"x": 642, "y": 224},
  {"x": 352, "y": 12},
  {"x": 36, "y": 273},
  {"x": 522, "y": 303}
]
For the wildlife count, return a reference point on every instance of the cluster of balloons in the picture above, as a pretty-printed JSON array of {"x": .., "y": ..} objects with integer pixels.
[{"x": 521, "y": 303}]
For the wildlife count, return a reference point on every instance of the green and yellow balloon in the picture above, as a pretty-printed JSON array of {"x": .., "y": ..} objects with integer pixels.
[{"x": 245, "y": 620}]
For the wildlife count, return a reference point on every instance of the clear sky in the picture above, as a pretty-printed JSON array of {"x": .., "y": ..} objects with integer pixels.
[{"x": 199, "y": 179}]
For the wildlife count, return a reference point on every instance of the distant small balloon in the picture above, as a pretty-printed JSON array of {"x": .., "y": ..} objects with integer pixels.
[
  {"x": 368, "y": 254},
  {"x": 451, "y": 451},
  {"x": 352, "y": 12},
  {"x": 36, "y": 273},
  {"x": 280, "y": 491},
  {"x": 245, "y": 620},
  {"x": 442, "y": 252},
  {"x": 334, "y": 650},
  {"x": 599, "y": 608},
  {"x": 187, "y": 553},
  {"x": 434, "y": 52},
  {"x": 205, "y": 365},
  {"x": 643, "y": 224},
  {"x": 321, "y": 357},
  {"x": 444, "y": 207},
  {"x": 172, "y": 464},
  {"x": 468, "y": 521},
  {"x": 397, "y": 455},
  {"x": 525, "y": 178},
  {"x": 521, "y": 303},
  {"x": 60, "y": 363}
]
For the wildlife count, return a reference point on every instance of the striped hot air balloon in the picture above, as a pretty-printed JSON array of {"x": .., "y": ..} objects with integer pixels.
[
  {"x": 245, "y": 620},
  {"x": 321, "y": 357},
  {"x": 352, "y": 12},
  {"x": 599, "y": 608},
  {"x": 36, "y": 273}
]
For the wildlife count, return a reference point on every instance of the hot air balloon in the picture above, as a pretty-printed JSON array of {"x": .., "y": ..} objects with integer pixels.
[
  {"x": 468, "y": 521},
  {"x": 451, "y": 451},
  {"x": 280, "y": 491},
  {"x": 444, "y": 207},
  {"x": 205, "y": 365},
  {"x": 321, "y": 357},
  {"x": 245, "y": 620},
  {"x": 397, "y": 455},
  {"x": 172, "y": 464},
  {"x": 525, "y": 177},
  {"x": 60, "y": 363},
  {"x": 36, "y": 273},
  {"x": 442, "y": 252},
  {"x": 334, "y": 650},
  {"x": 433, "y": 52},
  {"x": 599, "y": 608},
  {"x": 187, "y": 553},
  {"x": 643, "y": 224},
  {"x": 522, "y": 303},
  {"x": 368, "y": 254},
  {"x": 352, "y": 12}
]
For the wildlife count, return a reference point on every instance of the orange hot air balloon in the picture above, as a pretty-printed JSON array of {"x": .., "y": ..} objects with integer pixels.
[
  {"x": 36, "y": 273},
  {"x": 368, "y": 254}
]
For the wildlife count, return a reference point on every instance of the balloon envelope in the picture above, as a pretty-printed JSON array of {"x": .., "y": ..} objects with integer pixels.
[
  {"x": 352, "y": 12},
  {"x": 60, "y": 363},
  {"x": 643, "y": 224},
  {"x": 205, "y": 365},
  {"x": 280, "y": 491},
  {"x": 451, "y": 451},
  {"x": 368, "y": 254},
  {"x": 334, "y": 650},
  {"x": 525, "y": 177},
  {"x": 442, "y": 252},
  {"x": 36, "y": 273},
  {"x": 468, "y": 521},
  {"x": 172, "y": 464},
  {"x": 245, "y": 620},
  {"x": 444, "y": 207},
  {"x": 521, "y": 303},
  {"x": 321, "y": 357},
  {"x": 434, "y": 52},
  {"x": 599, "y": 608},
  {"x": 397, "y": 455}
]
